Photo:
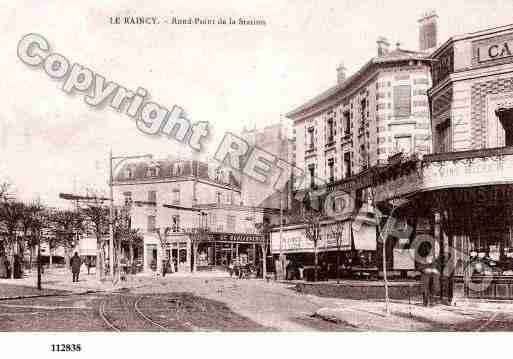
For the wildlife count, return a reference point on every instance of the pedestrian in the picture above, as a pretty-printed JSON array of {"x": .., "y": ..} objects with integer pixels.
[
  {"x": 18, "y": 272},
  {"x": 88, "y": 262},
  {"x": 230, "y": 269},
  {"x": 430, "y": 280},
  {"x": 3, "y": 267},
  {"x": 76, "y": 262}
]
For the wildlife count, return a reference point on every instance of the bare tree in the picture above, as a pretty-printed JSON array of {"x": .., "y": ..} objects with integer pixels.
[
  {"x": 388, "y": 200},
  {"x": 67, "y": 226},
  {"x": 11, "y": 214},
  {"x": 38, "y": 221},
  {"x": 338, "y": 230},
  {"x": 30, "y": 226},
  {"x": 134, "y": 239},
  {"x": 264, "y": 229},
  {"x": 312, "y": 217},
  {"x": 98, "y": 217},
  {"x": 162, "y": 234}
]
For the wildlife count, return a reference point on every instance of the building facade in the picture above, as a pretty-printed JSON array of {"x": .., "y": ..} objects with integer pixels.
[
  {"x": 275, "y": 140},
  {"x": 378, "y": 113},
  {"x": 189, "y": 214},
  {"x": 380, "y": 110}
]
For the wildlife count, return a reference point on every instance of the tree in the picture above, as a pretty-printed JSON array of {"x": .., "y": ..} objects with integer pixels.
[
  {"x": 312, "y": 216},
  {"x": 38, "y": 220},
  {"x": 161, "y": 235},
  {"x": 97, "y": 215},
  {"x": 31, "y": 224},
  {"x": 338, "y": 229},
  {"x": 67, "y": 226},
  {"x": 123, "y": 233},
  {"x": 134, "y": 239},
  {"x": 385, "y": 222},
  {"x": 264, "y": 229},
  {"x": 11, "y": 214}
]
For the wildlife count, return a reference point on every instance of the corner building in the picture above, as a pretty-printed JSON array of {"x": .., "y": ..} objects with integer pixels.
[{"x": 380, "y": 110}]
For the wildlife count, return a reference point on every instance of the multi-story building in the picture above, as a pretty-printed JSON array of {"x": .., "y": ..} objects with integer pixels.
[
  {"x": 273, "y": 139},
  {"x": 380, "y": 110},
  {"x": 365, "y": 121},
  {"x": 189, "y": 214},
  {"x": 456, "y": 203}
]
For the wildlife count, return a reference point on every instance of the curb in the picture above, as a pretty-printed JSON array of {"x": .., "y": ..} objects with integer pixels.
[
  {"x": 69, "y": 293},
  {"x": 50, "y": 295}
]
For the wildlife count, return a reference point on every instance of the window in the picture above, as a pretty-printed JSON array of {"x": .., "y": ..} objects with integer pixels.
[
  {"x": 129, "y": 173},
  {"x": 176, "y": 196},
  {"x": 444, "y": 136},
  {"x": 402, "y": 101},
  {"x": 151, "y": 224},
  {"x": 347, "y": 164},
  {"x": 347, "y": 123},
  {"x": 403, "y": 144},
  {"x": 311, "y": 138},
  {"x": 152, "y": 171},
  {"x": 230, "y": 223},
  {"x": 176, "y": 169},
  {"x": 311, "y": 168},
  {"x": 331, "y": 165},
  {"x": 212, "y": 219},
  {"x": 421, "y": 81},
  {"x": 218, "y": 198},
  {"x": 128, "y": 198},
  {"x": 152, "y": 196},
  {"x": 175, "y": 223},
  {"x": 331, "y": 133}
]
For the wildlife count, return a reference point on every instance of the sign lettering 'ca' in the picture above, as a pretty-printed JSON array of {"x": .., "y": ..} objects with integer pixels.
[{"x": 495, "y": 51}]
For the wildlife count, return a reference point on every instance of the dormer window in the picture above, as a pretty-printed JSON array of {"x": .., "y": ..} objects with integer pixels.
[
  {"x": 152, "y": 171},
  {"x": 129, "y": 173},
  {"x": 176, "y": 169}
]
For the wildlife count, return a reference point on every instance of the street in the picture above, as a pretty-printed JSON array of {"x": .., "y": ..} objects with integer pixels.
[{"x": 225, "y": 304}]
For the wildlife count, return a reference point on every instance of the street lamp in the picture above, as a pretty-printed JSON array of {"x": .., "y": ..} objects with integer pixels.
[{"x": 111, "y": 209}]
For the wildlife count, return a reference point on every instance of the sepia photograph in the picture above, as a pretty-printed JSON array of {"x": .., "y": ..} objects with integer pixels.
[{"x": 281, "y": 168}]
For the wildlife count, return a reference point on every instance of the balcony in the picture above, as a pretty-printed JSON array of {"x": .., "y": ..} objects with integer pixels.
[{"x": 330, "y": 142}]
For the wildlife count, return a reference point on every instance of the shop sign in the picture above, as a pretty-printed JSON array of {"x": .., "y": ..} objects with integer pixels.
[
  {"x": 496, "y": 50},
  {"x": 291, "y": 240},
  {"x": 295, "y": 240},
  {"x": 476, "y": 171},
  {"x": 404, "y": 259}
]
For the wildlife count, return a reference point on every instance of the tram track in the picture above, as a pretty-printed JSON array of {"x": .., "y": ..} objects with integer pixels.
[{"x": 129, "y": 314}]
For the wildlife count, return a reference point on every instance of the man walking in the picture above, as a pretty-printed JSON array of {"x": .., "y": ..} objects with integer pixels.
[{"x": 75, "y": 266}]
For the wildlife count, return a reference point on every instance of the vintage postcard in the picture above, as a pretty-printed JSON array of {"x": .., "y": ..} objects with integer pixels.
[{"x": 255, "y": 166}]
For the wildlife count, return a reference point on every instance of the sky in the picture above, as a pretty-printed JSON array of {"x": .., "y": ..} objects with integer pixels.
[{"x": 230, "y": 76}]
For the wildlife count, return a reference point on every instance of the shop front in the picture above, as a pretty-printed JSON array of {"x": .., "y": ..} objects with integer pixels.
[
  {"x": 216, "y": 251},
  {"x": 462, "y": 206}
]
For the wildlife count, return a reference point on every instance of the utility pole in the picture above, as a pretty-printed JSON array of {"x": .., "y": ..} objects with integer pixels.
[
  {"x": 281, "y": 233},
  {"x": 111, "y": 221},
  {"x": 39, "y": 260}
]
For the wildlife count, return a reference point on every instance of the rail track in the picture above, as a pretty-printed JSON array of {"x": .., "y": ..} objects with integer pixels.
[{"x": 129, "y": 317}]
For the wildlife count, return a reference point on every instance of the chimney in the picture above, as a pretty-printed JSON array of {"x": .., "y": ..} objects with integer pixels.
[
  {"x": 428, "y": 31},
  {"x": 383, "y": 46},
  {"x": 341, "y": 73}
]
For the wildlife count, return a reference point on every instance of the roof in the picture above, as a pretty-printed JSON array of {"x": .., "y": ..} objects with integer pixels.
[
  {"x": 171, "y": 169},
  {"x": 470, "y": 35},
  {"x": 396, "y": 55}
]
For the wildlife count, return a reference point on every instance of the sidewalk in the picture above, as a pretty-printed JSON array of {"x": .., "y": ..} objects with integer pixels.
[
  {"x": 58, "y": 281},
  {"x": 371, "y": 315}
]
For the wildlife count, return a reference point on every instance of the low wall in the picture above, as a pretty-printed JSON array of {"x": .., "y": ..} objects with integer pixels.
[{"x": 362, "y": 290}]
